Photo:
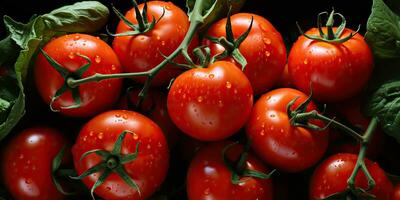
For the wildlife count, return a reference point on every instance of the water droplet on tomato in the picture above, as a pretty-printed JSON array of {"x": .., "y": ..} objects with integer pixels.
[
  {"x": 28, "y": 181},
  {"x": 21, "y": 156},
  {"x": 163, "y": 43},
  {"x": 228, "y": 85},
  {"x": 199, "y": 99},
  {"x": 97, "y": 59},
  {"x": 158, "y": 37},
  {"x": 71, "y": 55},
  {"x": 100, "y": 135},
  {"x": 220, "y": 103},
  {"x": 267, "y": 53},
  {"x": 267, "y": 41},
  {"x": 235, "y": 91},
  {"x": 305, "y": 62},
  {"x": 211, "y": 76},
  {"x": 207, "y": 191},
  {"x": 108, "y": 188},
  {"x": 113, "y": 67},
  {"x": 77, "y": 37},
  {"x": 167, "y": 7},
  {"x": 262, "y": 132}
]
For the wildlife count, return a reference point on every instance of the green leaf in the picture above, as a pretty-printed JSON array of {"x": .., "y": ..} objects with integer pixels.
[
  {"x": 383, "y": 31},
  {"x": 385, "y": 104},
  {"x": 24, "y": 40},
  {"x": 86, "y": 16},
  {"x": 220, "y": 10}
]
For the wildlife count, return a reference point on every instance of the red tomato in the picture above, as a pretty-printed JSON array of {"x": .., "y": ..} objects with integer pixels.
[
  {"x": 148, "y": 170},
  {"x": 331, "y": 177},
  {"x": 155, "y": 107},
  {"x": 144, "y": 51},
  {"x": 210, "y": 103},
  {"x": 65, "y": 50},
  {"x": 350, "y": 111},
  {"x": 27, "y": 161},
  {"x": 276, "y": 141},
  {"x": 396, "y": 195},
  {"x": 335, "y": 71},
  {"x": 263, "y": 49},
  {"x": 209, "y": 178}
]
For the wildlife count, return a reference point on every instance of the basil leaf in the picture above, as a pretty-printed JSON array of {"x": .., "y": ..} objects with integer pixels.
[
  {"x": 86, "y": 16},
  {"x": 385, "y": 104},
  {"x": 383, "y": 31},
  {"x": 25, "y": 39}
]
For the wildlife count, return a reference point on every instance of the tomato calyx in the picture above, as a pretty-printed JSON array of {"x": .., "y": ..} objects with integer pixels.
[
  {"x": 56, "y": 172},
  {"x": 229, "y": 43},
  {"x": 143, "y": 25},
  {"x": 113, "y": 162},
  {"x": 238, "y": 167},
  {"x": 67, "y": 76},
  {"x": 331, "y": 36}
]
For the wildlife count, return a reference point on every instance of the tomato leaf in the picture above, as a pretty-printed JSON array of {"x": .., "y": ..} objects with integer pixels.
[
  {"x": 383, "y": 31},
  {"x": 385, "y": 104},
  {"x": 24, "y": 40}
]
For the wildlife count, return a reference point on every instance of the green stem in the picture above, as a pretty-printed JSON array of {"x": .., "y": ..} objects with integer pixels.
[
  {"x": 226, "y": 44},
  {"x": 329, "y": 26},
  {"x": 361, "y": 156},
  {"x": 332, "y": 122}
]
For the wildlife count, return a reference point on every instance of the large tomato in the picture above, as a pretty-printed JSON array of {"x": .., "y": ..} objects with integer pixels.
[
  {"x": 331, "y": 177},
  {"x": 263, "y": 49},
  {"x": 396, "y": 193},
  {"x": 149, "y": 168},
  {"x": 66, "y": 50},
  {"x": 209, "y": 177},
  {"x": 276, "y": 141},
  {"x": 144, "y": 51},
  {"x": 210, "y": 103},
  {"x": 335, "y": 71},
  {"x": 27, "y": 161}
]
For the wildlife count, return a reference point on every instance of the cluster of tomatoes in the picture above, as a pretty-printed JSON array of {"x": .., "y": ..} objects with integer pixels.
[{"x": 123, "y": 151}]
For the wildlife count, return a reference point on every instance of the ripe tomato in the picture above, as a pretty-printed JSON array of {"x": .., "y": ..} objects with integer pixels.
[
  {"x": 276, "y": 141},
  {"x": 65, "y": 50},
  {"x": 148, "y": 170},
  {"x": 27, "y": 161},
  {"x": 143, "y": 52},
  {"x": 331, "y": 177},
  {"x": 335, "y": 71},
  {"x": 155, "y": 107},
  {"x": 263, "y": 49},
  {"x": 210, "y": 103},
  {"x": 396, "y": 194},
  {"x": 209, "y": 178}
]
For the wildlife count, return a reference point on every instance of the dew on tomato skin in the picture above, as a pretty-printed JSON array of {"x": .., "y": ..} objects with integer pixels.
[
  {"x": 220, "y": 103},
  {"x": 207, "y": 191},
  {"x": 97, "y": 59},
  {"x": 305, "y": 61},
  {"x": 158, "y": 37},
  {"x": 100, "y": 135},
  {"x": 21, "y": 156},
  {"x": 77, "y": 37},
  {"x": 200, "y": 99},
  {"x": 228, "y": 85},
  {"x": 267, "y": 53},
  {"x": 163, "y": 43},
  {"x": 148, "y": 146},
  {"x": 28, "y": 181},
  {"x": 263, "y": 27},
  {"x": 262, "y": 133},
  {"x": 267, "y": 41},
  {"x": 71, "y": 55},
  {"x": 211, "y": 76},
  {"x": 91, "y": 133},
  {"x": 85, "y": 138},
  {"x": 168, "y": 7}
]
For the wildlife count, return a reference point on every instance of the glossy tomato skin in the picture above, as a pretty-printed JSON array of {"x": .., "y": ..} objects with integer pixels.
[
  {"x": 332, "y": 174},
  {"x": 263, "y": 49},
  {"x": 154, "y": 107},
  {"x": 209, "y": 178},
  {"x": 396, "y": 193},
  {"x": 64, "y": 50},
  {"x": 144, "y": 51},
  {"x": 210, "y": 103},
  {"x": 335, "y": 71},
  {"x": 148, "y": 170},
  {"x": 26, "y": 164},
  {"x": 276, "y": 141}
]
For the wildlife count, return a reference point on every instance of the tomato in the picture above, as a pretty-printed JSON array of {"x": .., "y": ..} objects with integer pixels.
[
  {"x": 396, "y": 195},
  {"x": 148, "y": 170},
  {"x": 209, "y": 178},
  {"x": 27, "y": 161},
  {"x": 155, "y": 107},
  {"x": 263, "y": 49},
  {"x": 335, "y": 71},
  {"x": 66, "y": 50},
  {"x": 210, "y": 103},
  {"x": 350, "y": 111},
  {"x": 143, "y": 52},
  {"x": 276, "y": 141},
  {"x": 331, "y": 177}
]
